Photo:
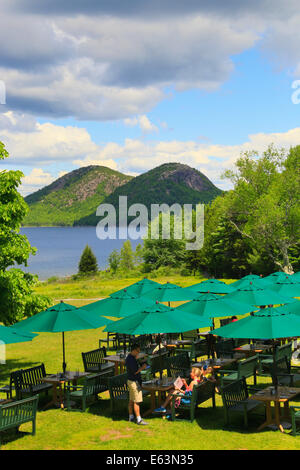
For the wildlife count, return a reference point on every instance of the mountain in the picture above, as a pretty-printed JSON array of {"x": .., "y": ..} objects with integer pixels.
[
  {"x": 73, "y": 198},
  {"x": 168, "y": 183}
]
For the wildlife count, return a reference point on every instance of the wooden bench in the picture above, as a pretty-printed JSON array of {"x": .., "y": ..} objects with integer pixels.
[
  {"x": 266, "y": 360},
  {"x": 201, "y": 393},
  {"x": 89, "y": 389},
  {"x": 235, "y": 397},
  {"x": 93, "y": 361},
  {"x": 225, "y": 348},
  {"x": 283, "y": 373},
  {"x": 15, "y": 413},
  {"x": 178, "y": 365},
  {"x": 30, "y": 381},
  {"x": 246, "y": 368},
  {"x": 118, "y": 390}
]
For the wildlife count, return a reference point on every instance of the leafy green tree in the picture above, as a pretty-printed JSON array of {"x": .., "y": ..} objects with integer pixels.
[
  {"x": 88, "y": 262},
  {"x": 17, "y": 298},
  {"x": 139, "y": 254},
  {"x": 264, "y": 205},
  {"x": 126, "y": 257},
  {"x": 114, "y": 261}
]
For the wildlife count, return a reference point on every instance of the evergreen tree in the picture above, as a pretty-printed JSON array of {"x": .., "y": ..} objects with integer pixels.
[{"x": 88, "y": 262}]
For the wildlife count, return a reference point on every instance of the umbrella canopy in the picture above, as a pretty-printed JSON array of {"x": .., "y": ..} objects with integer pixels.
[
  {"x": 169, "y": 293},
  {"x": 296, "y": 276},
  {"x": 288, "y": 286},
  {"x": 212, "y": 306},
  {"x": 254, "y": 295},
  {"x": 256, "y": 281},
  {"x": 9, "y": 335},
  {"x": 275, "y": 277},
  {"x": 158, "y": 319},
  {"x": 266, "y": 323},
  {"x": 59, "y": 319},
  {"x": 212, "y": 285},
  {"x": 119, "y": 304},
  {"x": 139, "y": 288}
]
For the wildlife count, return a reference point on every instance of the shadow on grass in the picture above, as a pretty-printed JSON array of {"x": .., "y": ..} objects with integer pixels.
[{"x": 12, "y": 365}]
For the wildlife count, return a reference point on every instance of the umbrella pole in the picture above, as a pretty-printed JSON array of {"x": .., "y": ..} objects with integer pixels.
[
  {"x": 64, "y": 353},
  {"x": 275, "y": 367},
  {"x": 160, "y": 359}
]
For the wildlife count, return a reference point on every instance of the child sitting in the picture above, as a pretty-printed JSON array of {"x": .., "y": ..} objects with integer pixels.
[{"x": 196, "y": 377}]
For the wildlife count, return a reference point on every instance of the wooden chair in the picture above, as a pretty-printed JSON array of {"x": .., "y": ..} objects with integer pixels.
[
  {"x": 246, "y": 368},
  {"x": 89, "y": 389},
  {"x": 201, "y": 393},
  {"x": 15, "y": 413},
  {"x": 235, "y": 397}
]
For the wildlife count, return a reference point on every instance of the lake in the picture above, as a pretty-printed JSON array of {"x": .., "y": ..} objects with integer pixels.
[{"x": 59, "y": 249}]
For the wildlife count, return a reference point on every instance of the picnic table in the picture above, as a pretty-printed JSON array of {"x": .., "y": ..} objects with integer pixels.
[
  {"x": 216, "y": 364},
  {"x": 119, "y": 361},
  {"x": 158, "y": 388},
  {"x": 267, "y": 396},
  {"x": 58, "y": 381},
  {"x": 252, "y": 349}
]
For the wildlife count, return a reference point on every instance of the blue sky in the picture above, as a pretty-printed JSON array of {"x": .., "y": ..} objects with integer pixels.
[{"x": 96, "y": 85}]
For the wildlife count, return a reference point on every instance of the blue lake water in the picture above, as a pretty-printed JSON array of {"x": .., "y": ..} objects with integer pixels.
[{"x": 59, "y": 249}]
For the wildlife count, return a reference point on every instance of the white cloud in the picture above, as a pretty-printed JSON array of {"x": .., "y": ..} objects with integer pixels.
[
  {"x": 143, "y": 122},
  {"x": 35, "y": 180}
]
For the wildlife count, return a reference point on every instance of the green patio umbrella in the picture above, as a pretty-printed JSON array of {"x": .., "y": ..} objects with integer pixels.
[
  {"x": 254, "y": 295},
  {"x": 119, "y": 304},
  {"x": 254, "y": 278},
  {"x": 296, "y": 276},
  {"x": 139, "y": 288},
  {"x": 213, "y": 306},
  {"x": 213, "y": 286},
  {"x": 61, "y": 318},
  {"x": 169, "y": 293},
  {"x": 278, "y": 275},
  {"x": 8, "y": 335},
  {"x": 157, "y": 319},
  {"x": 288, "y": 286},
  {"x": 268, "y": 323}
]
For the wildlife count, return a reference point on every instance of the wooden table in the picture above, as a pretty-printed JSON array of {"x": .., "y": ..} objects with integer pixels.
[
  {"x": 156, "y": 387},
  {"x": 251, "y": 349},
  {"x": 283, "y": 395},
  {"x": 57, "y": 381},
  {"x": 216, "y": 364},
  {"x": 120, "y": 361}
]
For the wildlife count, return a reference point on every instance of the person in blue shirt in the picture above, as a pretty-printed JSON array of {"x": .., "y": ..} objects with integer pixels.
[{"x": 134, "y": 383}]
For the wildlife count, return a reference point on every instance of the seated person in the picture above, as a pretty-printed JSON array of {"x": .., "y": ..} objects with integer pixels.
[{"x": 196, "y": 378}]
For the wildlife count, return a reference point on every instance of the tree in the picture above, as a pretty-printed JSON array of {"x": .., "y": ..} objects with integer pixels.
[
  {"x": 17, "y": 298},
  {"x": 88, "y": 262},
  {"x": 264, "y": 205},
  {"x": 114, "y": 261},
  {"x": 126, "y": 257}
]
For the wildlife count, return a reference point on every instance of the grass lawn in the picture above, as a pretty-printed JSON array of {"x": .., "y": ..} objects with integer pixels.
[{"x": 96, "y": 428}]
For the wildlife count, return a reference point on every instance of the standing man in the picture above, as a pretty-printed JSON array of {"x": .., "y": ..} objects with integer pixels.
[{"x": 134, "y": 383}]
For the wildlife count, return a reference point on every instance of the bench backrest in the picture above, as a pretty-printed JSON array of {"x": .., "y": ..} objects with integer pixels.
[
  {"x": 18, "y": 412},
  {"x": 117, "y": 386},
  {"x": 234, "y": 393},
  {"x": 96, "y": 383},
  {"x": 284, "y": 351},
  {"x": 203, "y": 392},
  {"x": 224, "y": 321},
  {"x": 93, "y": 357},
  {"x": 247, "y": 367},
  {"x": 158, "y": 362},
  {"x": 24, "y": 378},
  {"x": 224, "y": 348},
  {"x": 178, "y": 365},
  {"x": 199, "y": 348}
]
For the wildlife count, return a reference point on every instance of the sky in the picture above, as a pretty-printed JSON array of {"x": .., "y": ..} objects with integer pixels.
[{"x": 132, "y": 84}]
